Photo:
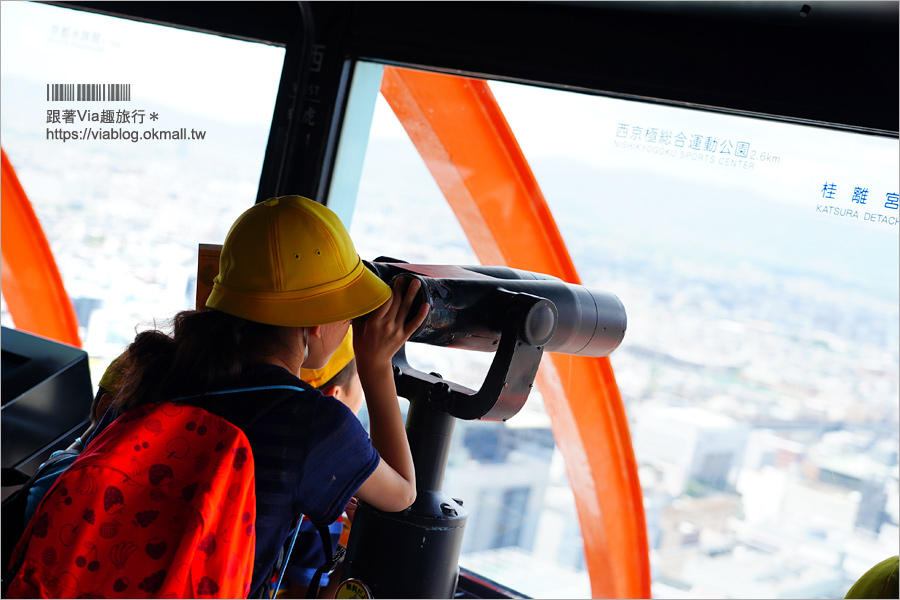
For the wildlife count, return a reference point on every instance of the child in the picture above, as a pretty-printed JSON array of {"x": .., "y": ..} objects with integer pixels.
[
  {"x": 289, "y": 283},
  {"x": 339, "y": 379}
]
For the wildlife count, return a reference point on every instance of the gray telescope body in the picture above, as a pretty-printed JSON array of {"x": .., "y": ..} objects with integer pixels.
[
  {"x": 515, "y": 314},
  {"x": 468, "y": 306}
]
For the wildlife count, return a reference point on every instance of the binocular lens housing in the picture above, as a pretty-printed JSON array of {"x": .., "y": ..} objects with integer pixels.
[{"x": 469, "y": 306}]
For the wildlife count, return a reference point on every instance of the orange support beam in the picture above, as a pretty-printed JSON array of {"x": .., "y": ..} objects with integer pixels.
[
  {"x": 32, "y": 286},
  {"x": 461, "y": 133}
]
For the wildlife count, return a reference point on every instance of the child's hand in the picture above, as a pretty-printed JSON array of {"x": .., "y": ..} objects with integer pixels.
[
  {"x": 385, "y": 330},
  {"x": 392, "y": 487}
]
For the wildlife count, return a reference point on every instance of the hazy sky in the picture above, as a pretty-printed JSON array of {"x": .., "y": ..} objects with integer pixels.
[
  {"x": 198, "y": 70},
  {"x": 199, "y": 74},
  {"x": 60, "y": 45}
]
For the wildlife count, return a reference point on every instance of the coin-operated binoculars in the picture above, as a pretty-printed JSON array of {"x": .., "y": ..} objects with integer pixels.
[{"x": 516, "y": 314}]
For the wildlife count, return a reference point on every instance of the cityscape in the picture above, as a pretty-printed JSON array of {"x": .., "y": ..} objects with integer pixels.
[
  {"x": 763, "y": 415},
  {"x": 761, "y": 386}
]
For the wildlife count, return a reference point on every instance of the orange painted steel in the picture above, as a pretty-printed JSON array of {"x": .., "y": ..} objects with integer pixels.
[
  {"x": 33, "y": 289},
  {"x": 461, "y": 133}
]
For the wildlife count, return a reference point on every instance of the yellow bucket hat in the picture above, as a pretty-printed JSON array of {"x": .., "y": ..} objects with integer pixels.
[
  {"x": 289, "y": 261},
  {"x": 340, "y": 359}
]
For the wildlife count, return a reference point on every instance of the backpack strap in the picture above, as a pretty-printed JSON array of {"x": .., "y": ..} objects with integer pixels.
[
  {"x": 287, "y": 556},
  {"x": 243, "y": 415},
  {"x": 331, "y": 562}
]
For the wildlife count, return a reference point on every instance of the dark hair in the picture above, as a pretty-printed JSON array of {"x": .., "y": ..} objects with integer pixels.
[
  {"x": 342, "y": 377},
  {"x": 207, "y": 349}
]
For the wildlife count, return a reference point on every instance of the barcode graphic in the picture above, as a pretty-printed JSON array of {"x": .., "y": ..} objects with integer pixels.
[{"x": 88, "y": 92}]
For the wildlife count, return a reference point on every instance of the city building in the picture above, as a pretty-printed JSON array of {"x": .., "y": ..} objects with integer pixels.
[{"x": 694, "y": 449}]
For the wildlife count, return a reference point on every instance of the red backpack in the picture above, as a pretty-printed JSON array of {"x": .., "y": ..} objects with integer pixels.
[{"x": 161, "y": 504}]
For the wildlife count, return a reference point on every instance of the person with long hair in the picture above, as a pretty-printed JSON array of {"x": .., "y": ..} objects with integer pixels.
[{"x": 290, "y": 283}]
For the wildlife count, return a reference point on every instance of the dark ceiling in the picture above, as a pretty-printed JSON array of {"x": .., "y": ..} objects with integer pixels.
[{"x": 829, "y": 62}]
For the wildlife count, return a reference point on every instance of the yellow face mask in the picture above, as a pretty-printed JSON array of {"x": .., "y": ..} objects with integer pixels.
[{"x": 341, "y": 357}]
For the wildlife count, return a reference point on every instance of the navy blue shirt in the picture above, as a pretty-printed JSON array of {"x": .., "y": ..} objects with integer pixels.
[{"x": 311, "y": 455}]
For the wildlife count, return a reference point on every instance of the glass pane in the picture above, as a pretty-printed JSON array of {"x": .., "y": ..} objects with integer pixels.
[
  {"x": 757, "y": 262},
  {"x": 126, "y": 190},
  {"x": 521, "y": 529}
]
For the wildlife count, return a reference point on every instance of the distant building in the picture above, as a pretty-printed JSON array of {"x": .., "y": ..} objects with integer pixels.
[
  {"x": 747, "y": 573},
  {"x": 514, "y": 485},
  {"x": 865, "y": 478},
  {"x": 703, "y": 522},
  {"x": 766, "y": 448},
  {"x": 84, "y": 307},
  {"x": 501, "y": 479},
  {"x": 558, "y": 539},
  {"x": 694, "y": 449}
]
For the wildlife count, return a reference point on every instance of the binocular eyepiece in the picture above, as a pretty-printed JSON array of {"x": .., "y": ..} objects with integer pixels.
[{"x": 470, "y": 306}]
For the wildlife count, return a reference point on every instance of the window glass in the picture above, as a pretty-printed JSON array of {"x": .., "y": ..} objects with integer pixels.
[
  {"x": 125, "y": 204},
  {"x": 758, "y": 264},
  {"x": 757, "y": 261},
  {"x": 510, "y": 475}
]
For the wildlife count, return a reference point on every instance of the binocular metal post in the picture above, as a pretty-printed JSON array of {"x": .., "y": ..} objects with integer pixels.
[{"x": 415, "y": 553}]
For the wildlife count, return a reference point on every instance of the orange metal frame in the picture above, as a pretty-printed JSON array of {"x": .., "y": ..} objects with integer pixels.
[
  {"x": 461, "y": 133},
  {"x": 32, "y": 286}
]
